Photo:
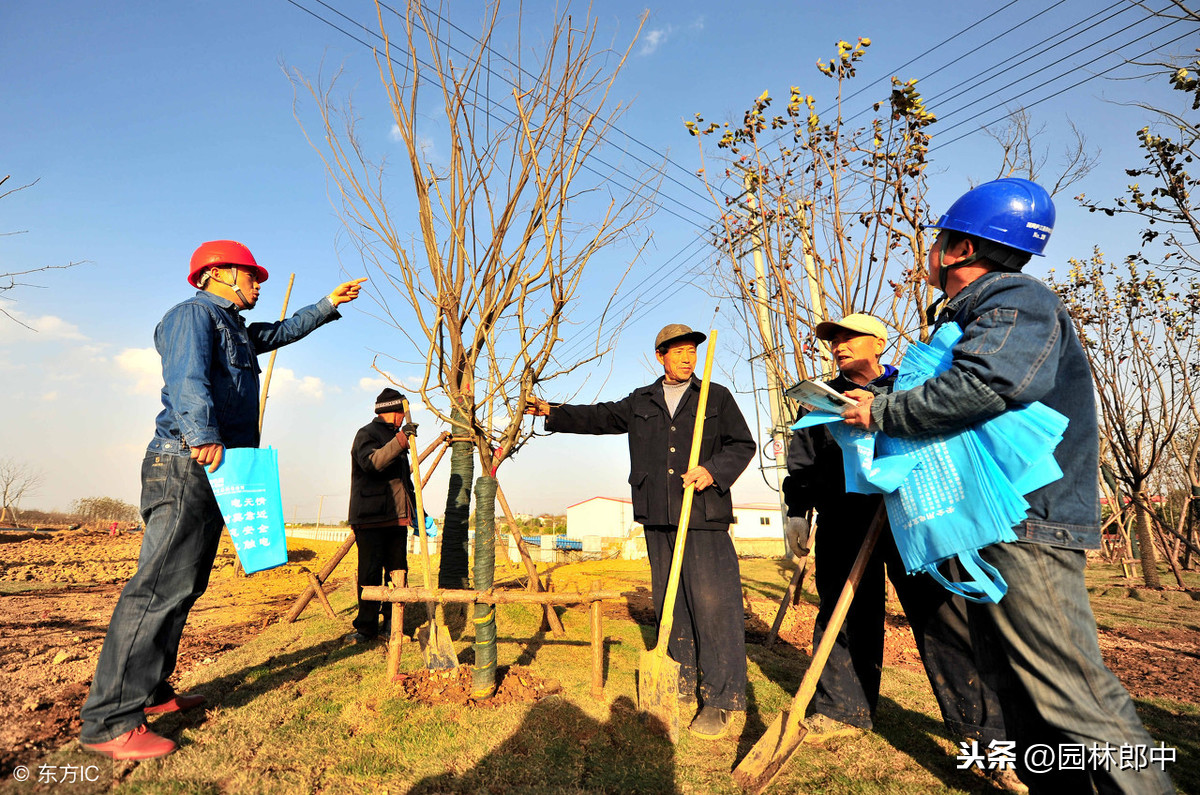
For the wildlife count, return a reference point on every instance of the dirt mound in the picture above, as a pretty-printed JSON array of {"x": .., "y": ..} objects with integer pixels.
[{"x": 517, "y": 685}]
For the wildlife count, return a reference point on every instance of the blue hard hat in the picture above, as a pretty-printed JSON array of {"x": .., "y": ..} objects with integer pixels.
[{"x": 1013, "y": 212}]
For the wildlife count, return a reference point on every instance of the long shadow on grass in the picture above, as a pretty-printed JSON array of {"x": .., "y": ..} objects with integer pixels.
[
  {"x": 243, "y": 686},
  {"x": 912, "y": 733},
  {"x": 559, "y": 748}
]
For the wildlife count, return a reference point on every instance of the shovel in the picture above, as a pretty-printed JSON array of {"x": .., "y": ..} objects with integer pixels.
[
  {"x": 786, "y": 732},
  {"x": 658, "y": 675},
  {"x": 436, "y": 645}
]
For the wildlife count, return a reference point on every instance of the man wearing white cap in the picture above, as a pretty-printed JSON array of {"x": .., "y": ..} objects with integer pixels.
[{"x": 848, "y": 691}]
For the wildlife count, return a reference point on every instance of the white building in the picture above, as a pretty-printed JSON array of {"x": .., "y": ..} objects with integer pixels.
[{"x": 607, "y": 519}]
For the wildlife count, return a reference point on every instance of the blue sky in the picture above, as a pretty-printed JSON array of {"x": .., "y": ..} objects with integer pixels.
[{"x": 151, "y": 127}]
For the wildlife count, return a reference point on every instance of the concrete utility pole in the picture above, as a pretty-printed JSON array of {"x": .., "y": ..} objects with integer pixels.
[
  {"x": 320, "y": 507},
  {"x": 774, "y": 388}
]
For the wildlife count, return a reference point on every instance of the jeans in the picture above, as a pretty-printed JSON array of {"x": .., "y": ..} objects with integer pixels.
[
  {"x": 380, "y": 550},
  {"x": 708, "y": 636},
  {"x": 1039, "y": 648},
  {"x": 848, "y": 689},
  {"x": 183, "y": 527}
]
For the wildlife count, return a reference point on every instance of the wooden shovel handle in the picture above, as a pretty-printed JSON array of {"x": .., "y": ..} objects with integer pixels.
[
  {"x": 808, "y": 685},
  {"x": 685, "y": 511},
  {"x": 415, "y": 462}
]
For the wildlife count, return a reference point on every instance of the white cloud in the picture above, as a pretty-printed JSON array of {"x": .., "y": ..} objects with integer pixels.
[
  {"x": 654, "y": 39},
  {"x": 144, "y": 367},
  {"x": 285, "y": 382},
  {"x": 373, "y": 384},
  {"x": 394, "y": 134},
  {"x": 50, "y": 396},
  {"x": 697, "y": 23},
  {"x": 36, "y": 329}
]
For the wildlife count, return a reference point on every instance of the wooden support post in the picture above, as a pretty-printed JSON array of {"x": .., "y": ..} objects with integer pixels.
[
  {"x": 597, "y": 647},
  {"x": 380, "y": 593},
  {"x": 444, "y": 441},
  {"x": 316, "y": 587},
  {"x": 322, "y": 576},
  {"x": 400, "y": 580},
  {"x": 535, "y": 582}
]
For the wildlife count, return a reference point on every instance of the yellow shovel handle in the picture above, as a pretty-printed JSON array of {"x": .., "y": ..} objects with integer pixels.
[{"x": 685, "y": 512}]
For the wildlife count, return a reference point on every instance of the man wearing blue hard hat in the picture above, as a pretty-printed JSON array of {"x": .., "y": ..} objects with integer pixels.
[{"x": 1071, "y": 719}]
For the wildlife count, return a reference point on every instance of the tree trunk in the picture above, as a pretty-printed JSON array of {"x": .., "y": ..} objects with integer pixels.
[
  {"x": 1146, "y": 540},
  {"x": 483, "y": 683},
  {"x": 452, "y": 572}
]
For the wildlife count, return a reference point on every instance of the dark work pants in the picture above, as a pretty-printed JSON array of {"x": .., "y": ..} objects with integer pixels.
[
  {"x": 708, "y": 636},
  {"x": 1038, "y": 647},
  {"x": 183, "y": 527},
  {"x": 380, "y": 550},
  {"x": 848, "y": 690}
]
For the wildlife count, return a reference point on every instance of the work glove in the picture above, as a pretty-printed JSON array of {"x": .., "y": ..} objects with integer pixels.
[{"x": 796, "y": 532}]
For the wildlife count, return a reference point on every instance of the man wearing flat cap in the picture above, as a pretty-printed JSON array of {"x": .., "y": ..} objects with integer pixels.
[
  {"x": 708, "y": 634},
  {"x": 381, "y": 505},
  {"x": 848, "y": 690}
]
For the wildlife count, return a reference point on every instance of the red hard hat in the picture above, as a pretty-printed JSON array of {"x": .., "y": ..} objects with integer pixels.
[{"x": 223, "y": 252}]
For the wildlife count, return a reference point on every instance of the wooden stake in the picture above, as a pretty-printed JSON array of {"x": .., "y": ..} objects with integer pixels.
[
  {"x": 535, "y": 582},
  {"x": 322, "y": 576},
  {"x": 316, "y": 586},
  {"x": 396, "y": 638}
]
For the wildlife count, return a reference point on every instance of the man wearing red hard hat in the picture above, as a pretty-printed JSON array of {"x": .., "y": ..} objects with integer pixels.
[{"x": 210, "y": 402}]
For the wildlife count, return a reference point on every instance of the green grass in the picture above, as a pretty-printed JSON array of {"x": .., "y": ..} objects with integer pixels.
[{"x": 296, "y": 710}]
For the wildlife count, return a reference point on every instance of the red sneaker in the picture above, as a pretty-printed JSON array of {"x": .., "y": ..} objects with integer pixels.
[
  {"x": 175, "y": 703},
  {"x": 141, "y": 743}
]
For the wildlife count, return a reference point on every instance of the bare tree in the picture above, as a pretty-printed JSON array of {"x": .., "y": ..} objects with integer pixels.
[
  {"x": 508, "y": 220},
  {"x": 1141, "y": 341},
  {"x": 818, "y": 219},
  {"x": 1169, "y": 201},
  {"x": 15, "y": 279},
  {"x": 17, "y": 481},
  {"x": 1023, "y": 155}
]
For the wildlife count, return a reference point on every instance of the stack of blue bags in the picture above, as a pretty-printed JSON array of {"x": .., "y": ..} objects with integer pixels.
[{"x": 949, "y": 495}]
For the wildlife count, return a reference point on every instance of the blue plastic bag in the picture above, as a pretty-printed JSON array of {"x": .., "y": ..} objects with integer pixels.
[
  {"x": 246, "y": 486},
  {"x": 950, "y": 495}
]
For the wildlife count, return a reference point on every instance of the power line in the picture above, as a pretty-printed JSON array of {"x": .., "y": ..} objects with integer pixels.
[
  {"x": 637, "y": 187},
  {"x": 1054, "y": 63},
  {"x": 1068, "y": 88}
]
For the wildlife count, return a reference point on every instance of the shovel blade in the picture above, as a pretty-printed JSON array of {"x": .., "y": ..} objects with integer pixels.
[
  {"x": 436, "y": 647},
  {"x": 769, "y": 755},
  {"x": 658, "y": 692}
]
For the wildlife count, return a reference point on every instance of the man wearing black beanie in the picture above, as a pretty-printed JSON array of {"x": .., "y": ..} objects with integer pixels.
[{"x": 381, "y": 505}]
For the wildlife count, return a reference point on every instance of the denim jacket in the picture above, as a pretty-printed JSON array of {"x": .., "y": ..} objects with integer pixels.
[
  {"x": 210, "y": 370},
  {"x": 1018, "y": 346}
]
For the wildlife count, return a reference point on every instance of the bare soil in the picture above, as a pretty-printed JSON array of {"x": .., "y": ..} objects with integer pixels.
[{"x": 57, "y": 592}]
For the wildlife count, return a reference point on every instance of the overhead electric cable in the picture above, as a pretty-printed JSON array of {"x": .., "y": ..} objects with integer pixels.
[{"x": 489, "y": 101}]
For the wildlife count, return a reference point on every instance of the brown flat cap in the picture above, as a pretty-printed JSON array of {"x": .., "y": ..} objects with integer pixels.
[{"x": 677, "y": 332}]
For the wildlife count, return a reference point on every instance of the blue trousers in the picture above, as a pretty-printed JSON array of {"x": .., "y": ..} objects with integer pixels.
[
  {"x": 708, "y": 636},
  {"x": 183, "y": 527},
  {"x": 1038, "y": 647},
  {"x": 848, "y": 690}
]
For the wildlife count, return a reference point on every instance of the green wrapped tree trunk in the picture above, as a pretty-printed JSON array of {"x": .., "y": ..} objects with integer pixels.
[
  {"x": 452, "y": 573},
  {"x": 483, "y": 683}
]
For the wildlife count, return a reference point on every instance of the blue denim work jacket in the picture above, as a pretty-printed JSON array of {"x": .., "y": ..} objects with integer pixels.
[
  {"x": 210, "y": 370},
  {"x": 1018, "y": 346}
]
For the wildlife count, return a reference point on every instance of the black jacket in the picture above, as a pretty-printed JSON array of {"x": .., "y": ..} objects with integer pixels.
[
  {"x": 381, "y": 487},
  {"x": 659, "y": 446},
  {"x": 816, "y": 474}
]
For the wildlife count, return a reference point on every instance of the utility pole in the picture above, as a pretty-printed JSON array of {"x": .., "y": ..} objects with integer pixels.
[
  {"x": 320, "y": 506},
  {"x": 774, "y": 388}
]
